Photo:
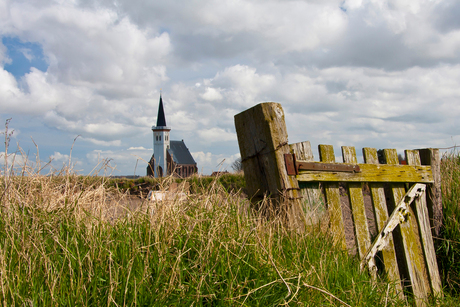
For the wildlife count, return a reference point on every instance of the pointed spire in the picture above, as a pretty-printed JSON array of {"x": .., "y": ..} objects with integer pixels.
[{"x": 161, "y": 120}]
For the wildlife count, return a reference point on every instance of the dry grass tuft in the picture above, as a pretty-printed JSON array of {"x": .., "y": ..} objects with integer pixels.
[{"x": 73, "y": 240}]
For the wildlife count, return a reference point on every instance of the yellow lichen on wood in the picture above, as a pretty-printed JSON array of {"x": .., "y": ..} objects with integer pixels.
[
  {"x": 373, "y": 173},
  {"x": 413, "y": 158},
  {"x": 355, "y": 194},
  {"x": 326, "y": 153},
  {"x": 262, "y": 138},
  {"x": 312, "y": 199},
  {"x": 381, "y": 216},
  {"x": 414, "y": 258}
]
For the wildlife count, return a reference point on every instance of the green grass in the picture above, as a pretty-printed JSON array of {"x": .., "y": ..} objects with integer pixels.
[
  {"x": 448, "y": 246},
  {"x": 62, "y": 243},
  {"x": 60, "y": 246}
]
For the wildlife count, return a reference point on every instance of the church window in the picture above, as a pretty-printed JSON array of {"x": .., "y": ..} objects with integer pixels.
[{"x": 160, "y": 137}]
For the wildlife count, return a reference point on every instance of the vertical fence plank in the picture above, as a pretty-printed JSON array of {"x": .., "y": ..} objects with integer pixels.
[
  {"x": 413, "y": 158},
  {"x": 413, "y": 253},
  {"x": 430, "y": 156},
  {"x": 262, "y": 138},
  {"x": 326, "y": 153},
  {"x": 381, "y": 216},
  {"x": 313, "y": 203},
  {"x": 355, "y": 194}
]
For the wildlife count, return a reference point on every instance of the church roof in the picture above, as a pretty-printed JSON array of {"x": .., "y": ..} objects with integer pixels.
[
  {"x": 161, "y": 120},
  {"x": 180, "y": 153}
]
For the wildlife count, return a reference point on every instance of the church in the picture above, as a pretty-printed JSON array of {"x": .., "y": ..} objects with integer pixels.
[{"x": 169, "y": 157}]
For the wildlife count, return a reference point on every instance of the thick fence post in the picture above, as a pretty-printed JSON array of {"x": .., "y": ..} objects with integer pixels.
[{"x": 263, "y": 141}]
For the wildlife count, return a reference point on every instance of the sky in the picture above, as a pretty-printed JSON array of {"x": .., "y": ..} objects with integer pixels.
[{"x": 81, "y": 80}]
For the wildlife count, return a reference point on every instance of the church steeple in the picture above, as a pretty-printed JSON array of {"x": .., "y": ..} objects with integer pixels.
[
  {"x": 169, "y": 157},
  {"x": 161, "y": 120},
  {"x": 161, "y": 143}
]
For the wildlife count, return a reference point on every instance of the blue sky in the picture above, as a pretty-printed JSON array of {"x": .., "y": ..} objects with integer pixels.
[
  {"x": 22, "y": 56},
  {"x": 376, "y": 73}
]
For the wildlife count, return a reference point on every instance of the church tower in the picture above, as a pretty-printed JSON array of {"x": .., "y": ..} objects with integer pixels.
[{"x": 160, "y": 143}]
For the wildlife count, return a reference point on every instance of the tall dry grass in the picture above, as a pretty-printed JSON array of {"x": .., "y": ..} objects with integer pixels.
[
  {"x": 79, "y": 241},
  {"x": 448, "y": 245},
  {"x": 74, "y": 240}
]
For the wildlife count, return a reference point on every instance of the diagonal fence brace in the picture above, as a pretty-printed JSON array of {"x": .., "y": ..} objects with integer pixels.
[{"x": 398, "y": 216}]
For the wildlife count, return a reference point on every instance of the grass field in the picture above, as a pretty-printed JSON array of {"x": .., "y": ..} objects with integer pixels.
[{"x": 70, "y": 240}]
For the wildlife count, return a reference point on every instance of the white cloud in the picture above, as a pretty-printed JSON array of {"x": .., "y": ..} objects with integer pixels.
[
  {"x": 202, "y": 158},
  {"x": 116, "y": 162},
  {"x": 283, "y": 23},
  {"x": 4, "y": 59},
  {"x": 102, "y": 143},
  {"x": 58, "y": 157},
  {"x": 372, "y": 73},
  {"x": 208, "y": 162},
  {"x": 212, "y": 94},
  {"x": 10, "y": 95},
  {"x": 216, "y": 135},
  {"x": 138, "y": 148},
  {"x": 13, "y": 160},
  {"x": 98, "y": 62},
  {"x": 28, "y": 53}
]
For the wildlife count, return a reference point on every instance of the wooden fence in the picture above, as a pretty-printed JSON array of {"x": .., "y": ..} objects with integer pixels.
[{"x": 405, "y": 199}]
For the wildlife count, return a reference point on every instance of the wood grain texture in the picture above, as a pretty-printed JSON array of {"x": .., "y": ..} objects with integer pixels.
[
  {"x": 312, "y": 202},
  {"x": 420, "y": 206},
  {"x": 430, "y": 156},
  {"x": 355, "y": 195},
  {"x": 373, "y": 173},
  {"x": 381, "y": 216},
  {"x": 413, "y": 254},
  {"x": 263, "y": 141},
  {"x": 326, "y": 153}
]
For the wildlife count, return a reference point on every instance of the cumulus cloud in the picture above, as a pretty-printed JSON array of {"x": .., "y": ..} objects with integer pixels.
[
  {"x": 363, "y": 73},
  {"x": 100, "y": 66},
  {"x": 212, "y": 94},
  {"x": 3, "y": 56},
  {"x": 58, "y": 161},
  {"x": 116, "y": 162},
  {"x": 138, "y": 148},
  {"x": 208, "y": 162},
  {"x": 58, "y": 157},
  {"x": 28, "y": 54},
  {"x": 216, "y": 135},
  {"x": 12, "y": 159}
]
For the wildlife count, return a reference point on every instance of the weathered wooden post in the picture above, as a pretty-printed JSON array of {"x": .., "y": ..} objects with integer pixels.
[
  {"x": 313, "y": 203},
  {"x": 413, "y": 157},
  {"x": 430, "y": 156},
  {"x": 263, "y": 141}
]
